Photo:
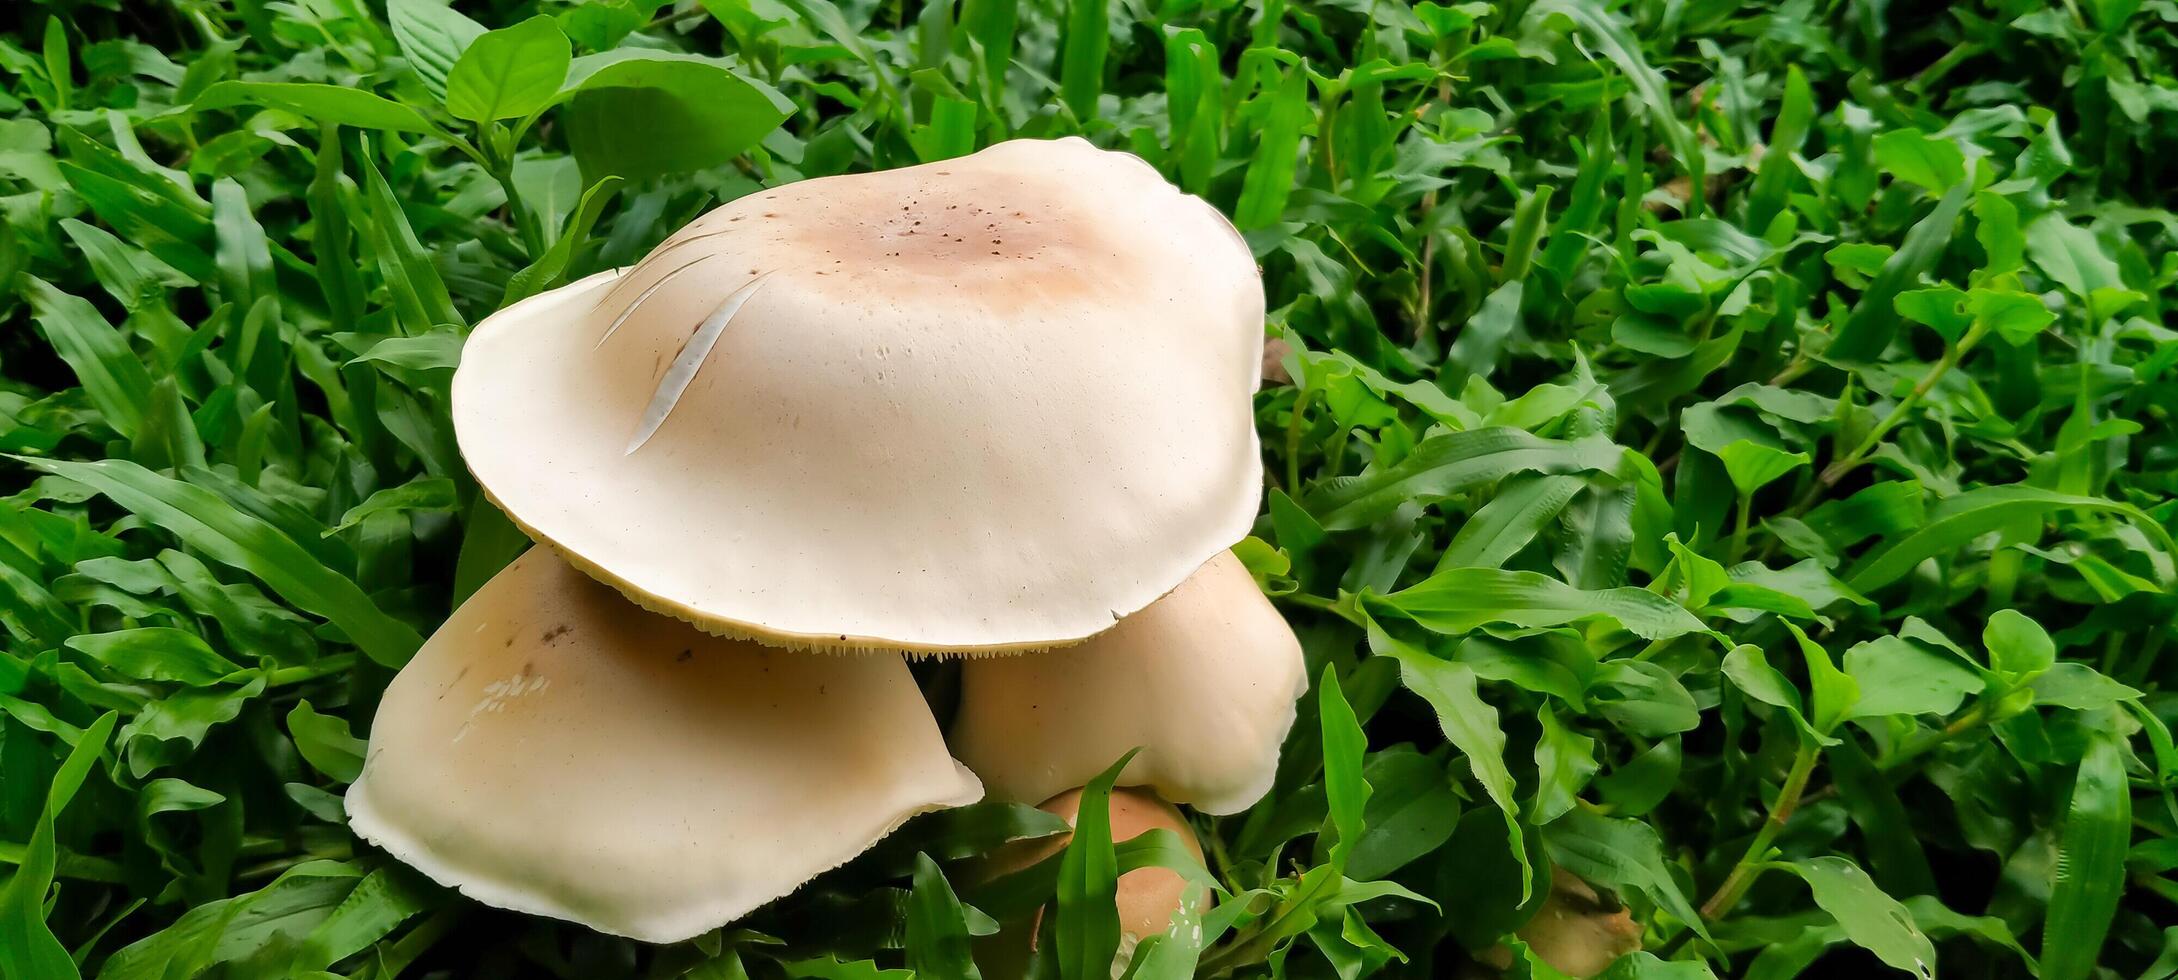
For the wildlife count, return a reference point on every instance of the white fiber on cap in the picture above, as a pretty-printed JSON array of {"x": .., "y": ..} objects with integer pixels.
[{"x": 989, "y": 404}]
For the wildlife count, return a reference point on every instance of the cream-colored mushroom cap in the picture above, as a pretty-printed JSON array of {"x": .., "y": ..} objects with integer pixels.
[
  {"x": 1146, "y": 898},
  {"x": 1579, "y": 931},
  {"x": 557, "y": 751},
  {"x": 992, "y": 403},
  {"x": 1203, "y": 681}
]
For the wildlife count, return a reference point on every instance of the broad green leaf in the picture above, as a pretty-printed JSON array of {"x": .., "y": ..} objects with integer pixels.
[
  {"x": 1751, "y": 673},
  {"x": 1896, "y": 677},
  {"x": 28, "y": 947},
  {"x": 1833, "y": 692},
  {"x": 324, "y": 741},
  {"x": 1456, "y": 462},
  {"x": 426, "y": 494},
  {"x": 1412, "y": 811},
  {"x": 1753, "y": 465},
  {"x": 1565, "y": 760},
  {"x": 1619, "y": 854},
  {"x": 1643, "y": 699},
  {"x": 1941, "y": 308},
  {"x": 1522, "y": 508},
  {"x": 1956, "y": 521},
  {"x": 2019, "y": 648},
  {"x": 2070, "y": 684},
  {"x": 432, "y": 35},
  {"x": 551, "y": 267},
  {"x": 1269, "y": 179},
  {"x": 937, "y": 927},
  {"x": 155, "y": 653},
  {"x": 1879, "y": 508},
  {"x": 1931, "y": 162},
  {"x": 509, "y": 73},
  {"x": 215, "y": 528},
  {"x": 378, "y": 904},
  {"x": 1345, "y": 789},
  {"x": 1084, "y": 45},
  {"x": 111, "y": 375},
  {"x": 1481, "y": 341},
  {"x": 1874, "y": 320},
  {"x": 651, "y": 116},
  {"x": 1997, "y": 229},
  {"x": 1461, "y": 600},
  {"x": 1088, "y": 923},
  {"x": 2017, "y": 317},
  {"x": 280, "y": 916},
  {"x": 1468, "y": 722},
  {"x": 1871, "y": 919},
  {"x": 2090, "y": 879},
  {"x": 338, "y": 104},
  {"x": 2071, "y": 255}
]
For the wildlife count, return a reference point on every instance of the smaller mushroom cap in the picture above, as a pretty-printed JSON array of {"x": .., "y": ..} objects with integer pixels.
[
  {"x": 556, "y": 750},
  {"x": 1203, "y": 681},
  {"x": 1578, "y": 930},
  {"x": 1146, "y": 897}
]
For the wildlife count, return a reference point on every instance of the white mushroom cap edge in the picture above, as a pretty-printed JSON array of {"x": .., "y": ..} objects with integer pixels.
[
  {"x": 555, "y": 750},
  {"x": 1203, "y": 681},
  {"x": 989, "y": 404}
]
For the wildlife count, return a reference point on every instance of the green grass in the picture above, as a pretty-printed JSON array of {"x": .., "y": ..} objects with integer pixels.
[{"x": 1728, "y": 454}]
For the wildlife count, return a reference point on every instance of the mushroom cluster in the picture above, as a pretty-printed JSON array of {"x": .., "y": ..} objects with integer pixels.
[{"x": 996, "y": 407}]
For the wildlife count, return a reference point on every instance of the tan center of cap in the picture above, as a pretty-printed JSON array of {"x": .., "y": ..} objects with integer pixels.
[{"x": 828, "y": 415}]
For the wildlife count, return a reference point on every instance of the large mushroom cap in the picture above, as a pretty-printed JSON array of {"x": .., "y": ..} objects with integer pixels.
[
  {"x": 1203, "y": 682},
  {"x": 992, "y": 403},
  {"x": 557, "y": 751}
]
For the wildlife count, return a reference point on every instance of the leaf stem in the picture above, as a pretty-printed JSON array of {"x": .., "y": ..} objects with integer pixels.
[
  {"x": 81, "y": 867},
  {"x": 323, "y": 667},
  {"x": 2163, "y": 887},
  {"x": 1742, "y": 518},
  {"x": 1294, "y": 429},
  {"x": 1842, "y": 467},
  {"x": 1244, "y": 951},
  {"x": 1975, "y": 717},
  {"x": 1341, "y": 607},
  {"x": 1750, "y": 864},
  {"x": 525, "y": 222}
]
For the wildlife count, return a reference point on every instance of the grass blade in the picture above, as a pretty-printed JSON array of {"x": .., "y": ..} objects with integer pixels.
[
  {"x": 2091, "y": 845},
  {"x": 1088, "y": 921},
  {"x": 28, "y": 949},
  {"x": 205, "y": 522}
]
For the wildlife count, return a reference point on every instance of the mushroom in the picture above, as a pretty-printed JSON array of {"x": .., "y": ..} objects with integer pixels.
[
  {"x": 1578, "y": 930},
  {"x": 557, "y": 751},
  {"x": 990, "y": 404},
  {"x": 1147, "y": 897},
  {"x": 1203, "y": 681}
]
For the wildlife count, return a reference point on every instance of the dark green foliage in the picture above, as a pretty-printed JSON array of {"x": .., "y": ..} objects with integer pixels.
[{"x": 1722, "y": 450}]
